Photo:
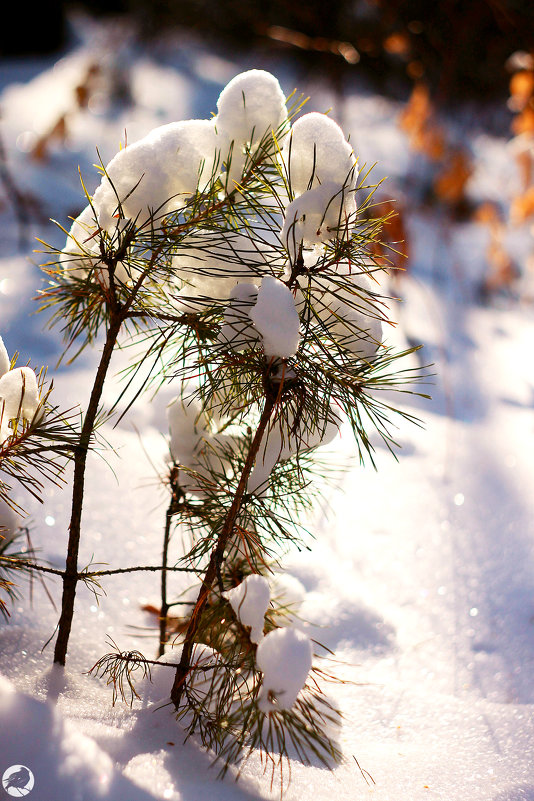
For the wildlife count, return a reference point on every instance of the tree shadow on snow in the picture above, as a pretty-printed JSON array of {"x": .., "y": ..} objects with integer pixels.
[
  {"x": 353, "y": 625},
  {"x": 156, "y": 733},
  {"x": 64, "y": 763}
]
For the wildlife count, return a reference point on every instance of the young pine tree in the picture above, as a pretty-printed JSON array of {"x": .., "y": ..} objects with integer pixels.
[{"x": 235, "y": 255}]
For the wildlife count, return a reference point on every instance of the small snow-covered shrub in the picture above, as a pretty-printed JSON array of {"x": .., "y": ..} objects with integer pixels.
[
  {"x": 237, "y": 251},
  {"x": 34, "y": 436}
]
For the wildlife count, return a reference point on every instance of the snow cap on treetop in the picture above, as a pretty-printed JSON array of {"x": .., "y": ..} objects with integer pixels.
[
  {"x": 316, "y": 152},
  {"x": 285, "y": 658},
  {"x": 250, "y": 601},
  {"x": 250, "y": 106},
  {"x": 157, "y": 173}
]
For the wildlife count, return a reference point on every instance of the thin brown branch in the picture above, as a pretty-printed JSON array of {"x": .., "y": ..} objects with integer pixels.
[
  {"x": 217, "y": 554},
  {"x": 137, "y": 568},
  {"x": 70, "y": 577},
  {"x": 84, "y": 574}
]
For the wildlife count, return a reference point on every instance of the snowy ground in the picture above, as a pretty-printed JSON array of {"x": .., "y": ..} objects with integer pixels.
[{"x": 421, "y": 575}]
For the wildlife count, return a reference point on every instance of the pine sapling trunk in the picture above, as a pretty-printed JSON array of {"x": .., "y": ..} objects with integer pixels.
[
  {"x": 71, "y": 576},
  {"x": 171, "y": 511},
  {"x": 164, "y": 610},
  {"x": 217, "y": 554}
]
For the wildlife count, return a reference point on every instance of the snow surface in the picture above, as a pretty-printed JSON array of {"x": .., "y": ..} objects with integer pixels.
[{"x": 420, "y": 577}]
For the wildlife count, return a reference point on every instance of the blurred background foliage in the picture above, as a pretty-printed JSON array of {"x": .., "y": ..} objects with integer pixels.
[
  {"x": 458, "y": 47},
  {"x": 454, "y": 68}
]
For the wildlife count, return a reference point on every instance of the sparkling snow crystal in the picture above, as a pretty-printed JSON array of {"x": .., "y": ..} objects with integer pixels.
[
  {"x": 250, "y": 601},
  {"x": 276, "y": 318},
  {"x": 64, "y": 762},
  {"x": 284, "y": 656}
]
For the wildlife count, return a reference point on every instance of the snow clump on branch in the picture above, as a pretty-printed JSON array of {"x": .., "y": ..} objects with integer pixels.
[
  {"x": 322, "y": 172},
  {"x": 345, "y": 302},
  {"x": 316, "y": 216},
  {"x": 157, "y": 174},
  {"x": 250, "y": 601},
  {"x": 196, "y": 445},
  {"x": 209, "y": 269},
  {"x": 316, "y": 152},
  {"x": 19, "y": 393},
  {"x": 237, "y": 330},
  {"x": 5, "y": 362},
  {"x": 284, "y": 656},
  {"x": 249, "y": 108},
  {"x": 276, "y": 447},
  {"x": 276, "y": 318}
]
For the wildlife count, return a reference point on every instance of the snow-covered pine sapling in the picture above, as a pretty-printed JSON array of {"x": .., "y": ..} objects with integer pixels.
[
  {"x": 300, "y": 349},
  {"x": 237, "y": 252},
  {"x": 117, "y": 275},
  {"x": 36, "y": 439}
]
